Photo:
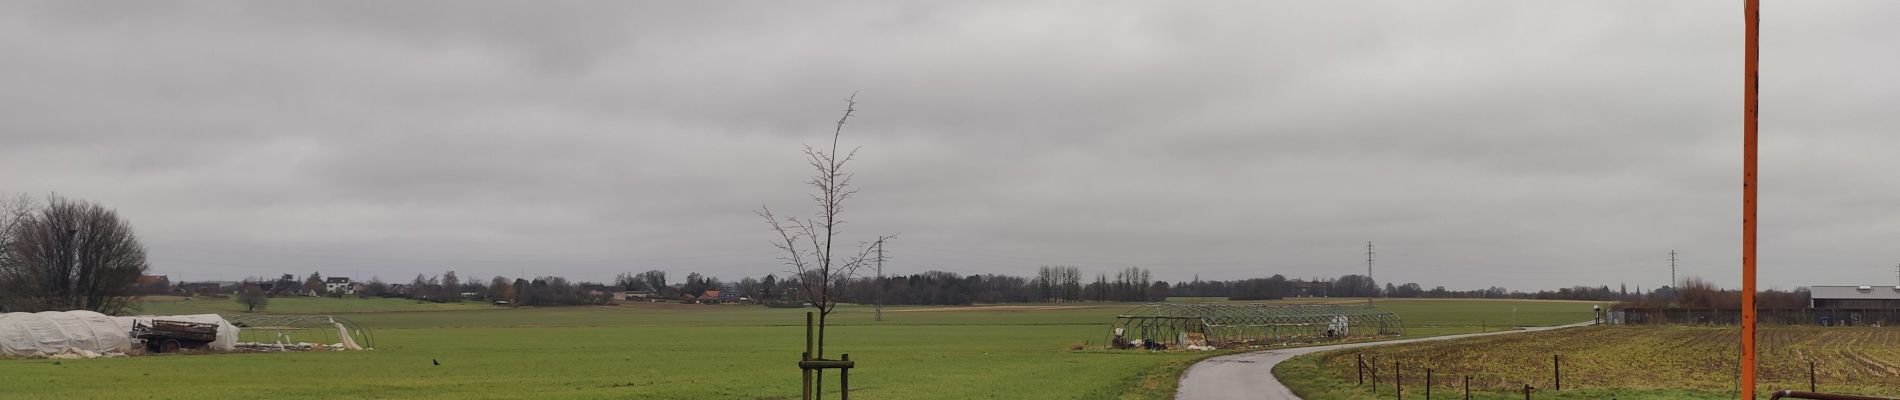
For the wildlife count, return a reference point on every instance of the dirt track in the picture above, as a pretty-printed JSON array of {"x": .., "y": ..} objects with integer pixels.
[{"x": 1250, "y": 375}]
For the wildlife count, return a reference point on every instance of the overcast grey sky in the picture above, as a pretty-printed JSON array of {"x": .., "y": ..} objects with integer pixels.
[{"x": 1527, "y": 144}]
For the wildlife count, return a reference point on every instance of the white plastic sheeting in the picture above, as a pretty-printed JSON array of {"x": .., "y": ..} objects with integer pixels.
[
  {"x": 44, "y": 334},
  {"x": 58, "y": 333}
]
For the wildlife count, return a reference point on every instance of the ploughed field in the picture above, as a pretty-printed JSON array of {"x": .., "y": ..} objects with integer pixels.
[
  {"x": 1624, "y": 362},
  {"x": 677, "y": 351}
]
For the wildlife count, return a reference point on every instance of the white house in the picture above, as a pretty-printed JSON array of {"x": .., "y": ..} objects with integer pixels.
[{"x": 338, "y": 284}]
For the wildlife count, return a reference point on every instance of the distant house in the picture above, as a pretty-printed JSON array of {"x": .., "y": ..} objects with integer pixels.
[
  {"x": 203, "y": 288},
  {"x": 338, "y": 284},
  {"x": 154, "y": 284},
  {"x": 731, "y": 297},
  {"x": 710, "y": 297}
]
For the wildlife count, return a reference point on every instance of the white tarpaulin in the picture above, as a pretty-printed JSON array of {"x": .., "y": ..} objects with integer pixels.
[
  {"x": 53, "y": 333},
  {"x": 44, "y": 334}
]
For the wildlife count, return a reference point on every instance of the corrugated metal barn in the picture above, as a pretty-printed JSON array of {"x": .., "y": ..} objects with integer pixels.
[{"x": 1854, "y": 297}]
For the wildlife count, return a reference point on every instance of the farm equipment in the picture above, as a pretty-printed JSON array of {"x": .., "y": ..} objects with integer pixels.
[{"x": 162, "y": 336}]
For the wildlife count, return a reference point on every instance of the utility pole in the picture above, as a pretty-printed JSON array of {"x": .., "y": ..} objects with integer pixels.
[
  {"x": 1672, "y": 268},
  {"x": 1751, "y": 83},
  {"x": 1369, "y": 281},
  {"x": 878, "y": 295}
]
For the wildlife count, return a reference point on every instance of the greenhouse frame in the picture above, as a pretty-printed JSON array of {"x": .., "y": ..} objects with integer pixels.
[
  {"x": 1168, "y": 325},
  {"x": 300, "y": 333}
]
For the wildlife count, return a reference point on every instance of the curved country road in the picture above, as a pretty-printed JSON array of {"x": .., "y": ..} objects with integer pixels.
[{"x": 1250, "y": 375}]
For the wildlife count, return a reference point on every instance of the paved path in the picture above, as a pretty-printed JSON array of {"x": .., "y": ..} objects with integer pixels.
[{"x": 1250, "y": 375}]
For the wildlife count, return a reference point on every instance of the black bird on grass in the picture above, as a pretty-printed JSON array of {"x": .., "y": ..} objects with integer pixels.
[{"x": 435, "y": 362}]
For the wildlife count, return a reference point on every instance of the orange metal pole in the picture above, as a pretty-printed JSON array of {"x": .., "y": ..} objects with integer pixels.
[{"x": 1751, "y": 10}]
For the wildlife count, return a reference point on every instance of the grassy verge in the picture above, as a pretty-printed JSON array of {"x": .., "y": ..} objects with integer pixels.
[
  {"x": 1625, "y": 362},
  {"x": 1307, "y": 377}
]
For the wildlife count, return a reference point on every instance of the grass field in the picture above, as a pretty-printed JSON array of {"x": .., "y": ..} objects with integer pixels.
[
  {"x": 675, "y": 351},
  {"x": 1626, "y": 362},
  {"x": 297, "y": 305}
]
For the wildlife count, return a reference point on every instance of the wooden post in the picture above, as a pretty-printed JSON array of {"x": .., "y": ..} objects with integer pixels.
[
  {"x": 807, "y": 377},
  {"x": 1428, "y": 384},
  {"x": 1361, "y": 368},
  {"x": 844, "y": 379},
  {"x": 1527, "y": 391},
  {"x": 1372, "y": 367},
  {"x": 1467, "y": 387},
  {"x": 1398, "y": 382},
  {"x": 808, "y": 382},
  {"x": 1811, "y": 377},
  {"x": 1557, "y": 372}
]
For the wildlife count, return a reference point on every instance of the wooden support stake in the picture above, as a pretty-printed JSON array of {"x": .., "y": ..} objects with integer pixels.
[
  {"x": 844, "y": 379},
  {"x": 1398, "y": 382},
  {"x": 1428, "y": 384},
  {"x": 1361, "y": 368},
  {"x": 1557, "y": 372},
  {"x": 1467, "y": 387},
  {"x": 808, "y": 380}
]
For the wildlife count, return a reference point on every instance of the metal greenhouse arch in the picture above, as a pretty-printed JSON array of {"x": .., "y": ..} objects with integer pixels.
[
  {"x": 259, "y": 332},
  {"x": 1168, "y": 325}
]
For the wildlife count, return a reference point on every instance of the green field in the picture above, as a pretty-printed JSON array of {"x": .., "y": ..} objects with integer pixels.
[
  {"x": 675, "y": 351},
  {"x": 1625, "y": 362},
  {"x": 298, "y": 305}
]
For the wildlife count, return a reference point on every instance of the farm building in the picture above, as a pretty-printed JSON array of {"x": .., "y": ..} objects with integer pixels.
[
  {"x": 1854, "y": 297},
  {"x": 1169, "y": 325}
]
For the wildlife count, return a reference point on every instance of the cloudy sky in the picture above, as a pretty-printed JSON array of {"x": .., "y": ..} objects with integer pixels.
[{"x": 1527, "y": 144}]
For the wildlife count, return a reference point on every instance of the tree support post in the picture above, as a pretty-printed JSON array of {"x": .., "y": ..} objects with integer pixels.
[{"x": 810, "y": 365}]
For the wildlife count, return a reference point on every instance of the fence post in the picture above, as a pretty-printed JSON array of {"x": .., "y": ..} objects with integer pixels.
[
  {"x": 1398, "y": 381},
  {"x": 1557, "y": 372},
  {"x": 844, "y": 379},
  {"x": 1527, "y": 391},
  {"x": 807, "y": 356},
  {"x": 1811, "y": 377},
  {"x": 1428, "y": 384},
  {"x": 1372, "y": 367},
  {"x": 1361, "y": 368},
  {"x": 1467, "y": 387}
]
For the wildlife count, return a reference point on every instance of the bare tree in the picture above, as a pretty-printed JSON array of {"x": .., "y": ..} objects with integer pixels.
[
  {"x": 313, "y": 285},
  {"x": 70, "y": 255},
  {"x": 655, "y": 279},
  {"x": 252, "y": 297},
  {"x": 808, "y": 243},
  {"x": 13, "y": 212}
]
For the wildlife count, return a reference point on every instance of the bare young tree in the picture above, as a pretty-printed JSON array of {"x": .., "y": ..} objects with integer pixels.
[
  {"x": 252, "y": 297},
  {"x": 809, "y": 243},
  {"x": 71, "y": 255}
]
